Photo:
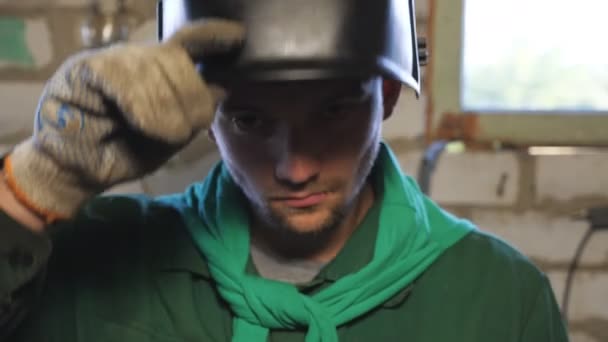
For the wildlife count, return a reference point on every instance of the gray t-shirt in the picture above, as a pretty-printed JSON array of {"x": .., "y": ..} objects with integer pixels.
[{"x": 275, "y": 267}]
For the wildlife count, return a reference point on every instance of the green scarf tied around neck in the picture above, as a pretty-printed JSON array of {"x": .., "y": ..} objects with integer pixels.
[{"x": 413, "y": 232}]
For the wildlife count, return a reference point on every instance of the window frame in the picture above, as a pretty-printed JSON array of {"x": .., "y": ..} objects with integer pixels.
[{"x": 446, "y": 118}]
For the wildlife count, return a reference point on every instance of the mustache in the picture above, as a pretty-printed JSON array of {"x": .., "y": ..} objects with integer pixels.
[{"x": 289, "y": 192}]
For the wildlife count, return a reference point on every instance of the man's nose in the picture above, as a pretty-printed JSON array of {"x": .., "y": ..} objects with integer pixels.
[{"x": 298, "y": 162}]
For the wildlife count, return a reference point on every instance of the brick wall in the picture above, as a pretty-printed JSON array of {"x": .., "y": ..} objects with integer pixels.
[
  {"x": 530, "y": 201},
  {"x": 533, "y": 202}
]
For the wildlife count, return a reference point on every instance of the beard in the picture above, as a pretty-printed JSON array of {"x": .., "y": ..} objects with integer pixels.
[
  {"x": 277, "y": 228},
  {"x": 291, "y": 240}
]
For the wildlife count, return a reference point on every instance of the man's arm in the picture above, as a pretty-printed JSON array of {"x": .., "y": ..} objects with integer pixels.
[
  {"x": 94, "y": 131},
  {"x": 544, "y": 322},
  {"x": 24, "y": 251}
]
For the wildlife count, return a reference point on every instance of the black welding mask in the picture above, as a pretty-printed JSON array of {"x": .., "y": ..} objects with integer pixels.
[{"x": 291, "y": 40}]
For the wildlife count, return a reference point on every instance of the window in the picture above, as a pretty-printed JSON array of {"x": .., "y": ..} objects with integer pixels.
[{"x": 521, "y": 72}]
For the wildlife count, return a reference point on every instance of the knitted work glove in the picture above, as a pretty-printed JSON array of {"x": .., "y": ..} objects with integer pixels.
[{"x": 115, "y": 115}]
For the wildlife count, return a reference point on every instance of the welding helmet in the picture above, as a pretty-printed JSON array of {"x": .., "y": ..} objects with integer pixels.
[{"x": 290, "y": 40}]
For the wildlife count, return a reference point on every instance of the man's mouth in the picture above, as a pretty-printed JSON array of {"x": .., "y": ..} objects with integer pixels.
[{"x": 303, "y": 200}]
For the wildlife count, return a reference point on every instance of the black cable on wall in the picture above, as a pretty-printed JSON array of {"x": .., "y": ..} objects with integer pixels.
[{"x": 598, "y": 219}]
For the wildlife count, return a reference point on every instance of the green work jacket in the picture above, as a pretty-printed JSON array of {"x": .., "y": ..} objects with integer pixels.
[{"x": 125, "y": 269}]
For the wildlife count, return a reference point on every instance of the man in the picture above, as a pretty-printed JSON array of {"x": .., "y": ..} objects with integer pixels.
[{"x": 307, "y": 229}]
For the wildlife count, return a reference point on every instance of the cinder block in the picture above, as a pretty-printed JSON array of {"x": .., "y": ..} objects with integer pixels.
[
  {"x": 565, "y": 178},
  {"x": 19, "y": 101},
  {"x": 38, "y": 38},
  {"x": 476, "y": 179},
  {"x": 588, "y": 294},
  {"x": 576, "y": 336},
  {"x": 546, "y": 239}
]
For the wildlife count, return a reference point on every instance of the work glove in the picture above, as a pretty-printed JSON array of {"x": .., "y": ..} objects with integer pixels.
[{"x": 114, "y": 115}]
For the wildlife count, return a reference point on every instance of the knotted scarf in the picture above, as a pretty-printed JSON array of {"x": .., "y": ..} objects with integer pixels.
[{"x": 413, "y": 232}]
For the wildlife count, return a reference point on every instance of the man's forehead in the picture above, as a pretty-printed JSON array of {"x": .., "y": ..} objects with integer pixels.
[{"x": 309, "y": 89}]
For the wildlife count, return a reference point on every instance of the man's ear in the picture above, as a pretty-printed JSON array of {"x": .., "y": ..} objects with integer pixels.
[{"x": 391, "y": 90}]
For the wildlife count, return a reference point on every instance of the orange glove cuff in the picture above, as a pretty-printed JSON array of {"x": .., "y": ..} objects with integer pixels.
[{"x": 47, "y": 216}]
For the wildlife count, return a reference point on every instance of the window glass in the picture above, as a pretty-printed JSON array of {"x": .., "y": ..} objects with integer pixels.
[{"x": 535, "y": 55}]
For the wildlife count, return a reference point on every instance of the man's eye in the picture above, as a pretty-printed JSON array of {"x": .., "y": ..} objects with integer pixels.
[
  {"x": 339, "y": 111},
  {"x": 246, "y": 123},
  {"x": 249, "y": 123}
]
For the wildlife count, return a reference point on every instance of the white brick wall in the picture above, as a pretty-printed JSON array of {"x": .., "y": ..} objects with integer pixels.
[
  {"x": 495, "y": 177},
  {"x": 476, "y": 179},
  {"x": 18, "y": 101},
  {"x": 588, "y": 294},
  {"x": 563, "y": 178},
  {"x": 588, "y": 306},
  {"x": 582, "y": 337},
  {"x": 550, "y": 241},
  {"x": 544, "y": 237}
]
